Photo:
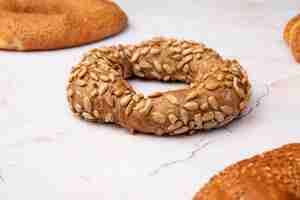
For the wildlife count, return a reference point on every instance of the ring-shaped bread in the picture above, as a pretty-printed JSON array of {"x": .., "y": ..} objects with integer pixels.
[
  {"x": 52, "y": 24},
  {"x": 291, "y": 36},
  {"x": 274, "y": 175},
  {"x": 218, "y": 90}
]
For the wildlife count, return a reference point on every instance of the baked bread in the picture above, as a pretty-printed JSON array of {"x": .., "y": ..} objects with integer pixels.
[
  {"x": 290, "y": 25},
  {"x": 274, "y": 175},
  {"x": 291, "y": 36},
  {"x": 52, "y": 24},
  {"x": 218, "y": 90}
]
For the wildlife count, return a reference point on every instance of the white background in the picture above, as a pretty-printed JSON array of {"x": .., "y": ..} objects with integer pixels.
[{"x": 46, "y": 153}]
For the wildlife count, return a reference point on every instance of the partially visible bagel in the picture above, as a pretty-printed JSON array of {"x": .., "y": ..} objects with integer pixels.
[
  {"x": 219, "y": 89},
  {"x": 53, "y": 24},
  {"x": 289, "y": 28},
  {"x": 291, "y": 36},
  {"x": 274, "y": 175}
]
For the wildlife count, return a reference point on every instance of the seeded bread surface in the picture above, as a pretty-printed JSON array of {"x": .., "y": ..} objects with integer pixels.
[
  {"x": 218, "y": 90},
  {"x": 274, "y": 175},
  {"x": 53, "y": 24}
]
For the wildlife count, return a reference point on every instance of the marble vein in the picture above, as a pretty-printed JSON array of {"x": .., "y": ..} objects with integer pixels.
[
  {"x": 192, "y": 154},
  {"x": 198, "y": 147},
  {"x": 2, "y": 179},
  {"x": 257, "y": 102}
]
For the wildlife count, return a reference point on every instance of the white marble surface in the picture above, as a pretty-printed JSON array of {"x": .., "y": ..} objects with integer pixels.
[{"x": 46, "y": 153}]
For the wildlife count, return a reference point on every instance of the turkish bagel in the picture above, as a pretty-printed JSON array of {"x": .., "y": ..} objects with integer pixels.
[
  {"x": 291, "y": 35},
  {"x": 218, "y": 90},
  {"x": 272, "y": 175},
  {"x": 53, "y": 24}
]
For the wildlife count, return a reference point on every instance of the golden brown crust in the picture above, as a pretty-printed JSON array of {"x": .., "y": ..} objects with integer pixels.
[
  {"x": 272, "y": 175},
  {"x": 219, "y": 89},
  {"x": 295, "y": 42},
  {"x": 288, "y": 27},
  {"x": 292, "y": 36},
  {"x": 53, "y": 24}
]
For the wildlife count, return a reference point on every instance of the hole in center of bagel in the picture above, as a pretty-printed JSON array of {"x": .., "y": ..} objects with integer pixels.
[{"x": 148, "y": 87}]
